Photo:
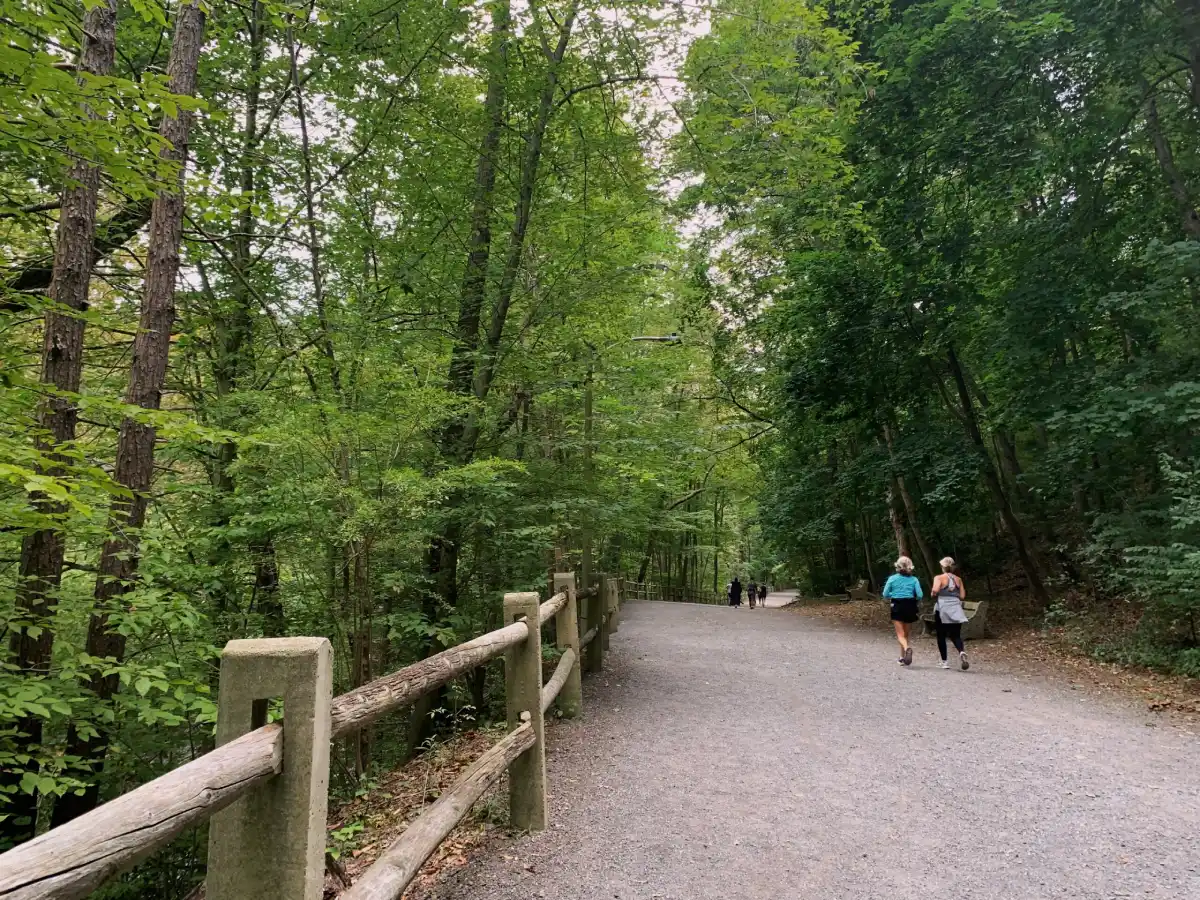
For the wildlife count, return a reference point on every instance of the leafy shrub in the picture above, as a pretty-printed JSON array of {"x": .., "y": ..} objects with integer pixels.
[{"x": 1167, "y": 575}]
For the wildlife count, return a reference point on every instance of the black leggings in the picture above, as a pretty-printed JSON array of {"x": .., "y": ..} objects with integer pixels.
[{"x": 952, "y": 630}]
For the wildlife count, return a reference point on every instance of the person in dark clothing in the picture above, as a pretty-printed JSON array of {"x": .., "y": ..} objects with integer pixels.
[
  {"x": 735, "y": 592},
  {"x": 752, "y": 593},
  {"x": 762, "y": 596}
]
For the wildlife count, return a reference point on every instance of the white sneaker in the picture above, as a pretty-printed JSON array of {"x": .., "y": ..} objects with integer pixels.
[
  {"x": 962, "y": 659},
  {"x": 943, "y": 665}
]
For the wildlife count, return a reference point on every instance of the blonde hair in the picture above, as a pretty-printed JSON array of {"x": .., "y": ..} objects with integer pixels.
[
  {"x": 904, "y": 565},
  {"x": 947, "y": 563}
]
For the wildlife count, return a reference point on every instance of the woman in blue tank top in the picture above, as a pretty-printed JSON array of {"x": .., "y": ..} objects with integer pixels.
[{"x": 904, "y": 591}]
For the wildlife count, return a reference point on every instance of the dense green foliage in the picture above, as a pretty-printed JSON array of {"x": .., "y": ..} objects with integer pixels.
[
  {"x": 933, "y": 264},
  {"x": 970, "y": 278},
  {"x": 417, "y": 240}
]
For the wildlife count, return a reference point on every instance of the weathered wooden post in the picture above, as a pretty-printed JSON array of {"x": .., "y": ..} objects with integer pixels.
[
  {"x": 566, "y": 625},
  {"x": 270, "y": 844},
  {"x": 594, "y": 652},
  {"x": 523, "y": 693},
  {"x": 605, "y": 602},
  {"x": 614, "y": 604}
]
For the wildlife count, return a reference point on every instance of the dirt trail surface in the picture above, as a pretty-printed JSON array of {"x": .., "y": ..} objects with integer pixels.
[{"x": 759, "y": 754}]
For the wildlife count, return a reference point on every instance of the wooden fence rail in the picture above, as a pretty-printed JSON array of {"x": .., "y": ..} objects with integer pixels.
[
  {"x": 75, "y": 859},
  {"x": 674, "y": 593},
  {"x": 268, "y": 804}
]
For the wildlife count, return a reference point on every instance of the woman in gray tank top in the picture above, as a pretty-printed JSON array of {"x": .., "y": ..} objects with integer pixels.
[{"x": 948, "y": 613}]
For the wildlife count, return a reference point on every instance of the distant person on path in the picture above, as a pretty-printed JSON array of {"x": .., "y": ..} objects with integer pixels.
[
  {"x": 948, "y": 614},
  {"x": 752, "y": 593},
  {"x": 762, "y": 596},
  {"x": 904, "y": 592},
  {"x": 735, "y": 592}
]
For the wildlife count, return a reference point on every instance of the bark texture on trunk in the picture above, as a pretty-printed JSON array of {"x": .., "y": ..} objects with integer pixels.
[
  {"x": 910, "y": 509},
  {"x": 472, "y": 367},
  {"x": 266, "y": 587},
  {"x": 463, "y": 358},
  {"x": 1189, "y": 15},
  {"x": 1175, "y": 180},
  {"x": 43, "y": 552},
  {"x": 841, "y": 541},
  {"x": 135, "y": 444},
  {"x": 442, "y": 555},
  {"x": 993, "y": 482},
  {"x": 868, "y": 550},
  {"x": 524, "y": 208},
  {"x": 233, "y": 359},
  {"x": 894, "y": 517},
  {"x": 314, "y": 241}
]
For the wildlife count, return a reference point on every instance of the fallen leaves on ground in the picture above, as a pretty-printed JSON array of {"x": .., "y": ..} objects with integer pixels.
[
  {"x": 1042, "y": 652},
  {"x": 402, "y": 794}
]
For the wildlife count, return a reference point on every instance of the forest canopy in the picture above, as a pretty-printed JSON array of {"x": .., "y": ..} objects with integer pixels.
[
  {"x": 960, "y": 239},
  {"x": 321, "y": 320},
  {"x": 330, "y": 319}
]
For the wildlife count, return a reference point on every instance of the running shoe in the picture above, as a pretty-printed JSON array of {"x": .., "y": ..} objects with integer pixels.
[
  {"x": 908, "y": 656},
  {"x": 962, "y": 660},
  {"x": 943, "y": 665}
]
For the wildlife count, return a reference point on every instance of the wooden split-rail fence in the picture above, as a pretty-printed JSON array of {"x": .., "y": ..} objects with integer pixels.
[
  {"x": 265, "y": 786},
  {"x": 672, "y": 593}
]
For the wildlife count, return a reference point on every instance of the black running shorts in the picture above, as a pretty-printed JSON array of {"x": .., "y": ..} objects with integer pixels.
[{"x": 904, "y": 609}]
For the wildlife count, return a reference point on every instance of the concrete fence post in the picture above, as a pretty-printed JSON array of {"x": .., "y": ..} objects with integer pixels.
[
  {"x": 566, "y": 625},
  {"x": 594, "y": 652},
  {"x": 270, "y": 844},
  {"x": 523, "y": 693}
]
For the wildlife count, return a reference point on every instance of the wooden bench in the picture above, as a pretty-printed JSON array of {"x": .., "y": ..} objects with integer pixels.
[
  {"x": 976, "y": 626},
  {"x": 861, "y": 592}
]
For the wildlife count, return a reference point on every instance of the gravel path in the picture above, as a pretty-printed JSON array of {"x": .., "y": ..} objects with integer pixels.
[{"x": 759, "y": 754}]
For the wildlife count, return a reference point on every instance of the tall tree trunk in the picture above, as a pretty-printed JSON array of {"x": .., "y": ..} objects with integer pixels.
[
  {"x": 1166, "y": 162},
  {"x": 894, "y": 517},
  {"x": 463, "y": 357},
  {"x": 471, "y": 373},
  {"x": 1189, "y": 15},
  {"x": 910, "y": 509},
  {"x": 233, "y": 363},
  {"x": 868, "y": 550},
  {"x": 364, "y": 603},
  {"x": 135, "y": 444},
  {"x": 841, "y": 551},
  {"x": 1010, "y": 464},
  {"x": 442, "y": 555},
  {"x": 314, "y": 240},
  {"x": 994, "y": 486},
  {"x": 717, "y": 517},
  {"x": 266, "y": 587},
  {"x": 841, "y": 545},
  {"x": 524, "y": 210},
  {"x": 43, "y": 551},
  {"x": 647, "y": 557}
]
